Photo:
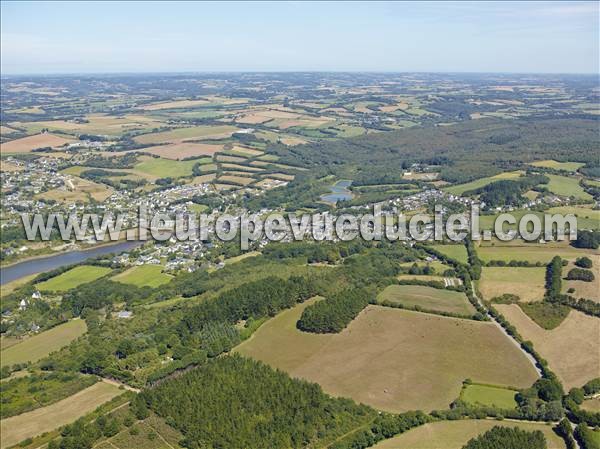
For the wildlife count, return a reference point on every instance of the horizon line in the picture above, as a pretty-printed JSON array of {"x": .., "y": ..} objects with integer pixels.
[{"x": 383, "y": 72}]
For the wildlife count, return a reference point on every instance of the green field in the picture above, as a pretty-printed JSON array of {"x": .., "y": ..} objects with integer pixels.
[
  {"x": 587, "y": 218},
  {"x": 34, "y": 348},
  {"x": 487, "y": 395},
  {"x": 531, "y": 252},
  {"x": 196, "y": 132},
  {"x": 162, "y": 168},
  {"x": 144, "y": 276},
  {"x": 567, "y": 166},
  {"x": 427, "y": 298},
  {"x": 528, "y": 283},
  {"x": 478, "y": 183},
  {"x": 456, "y": 252},
  {"x": 455, "y": 434},
  {"x": 73, "y": 278},
  {"x": 44, "y": 419},
  {"x": 565, "y": 186}
]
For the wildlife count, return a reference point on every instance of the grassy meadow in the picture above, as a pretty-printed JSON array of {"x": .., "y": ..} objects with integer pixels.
[
  {"x": 39, "y": 346},
  {"x": 489, "y": 395},
  {"x": 427, "y": 298},
  {"x": 73, "y": 278},
  {"x": 391, "y": 359},
  {"x": 144, "y": 276}
]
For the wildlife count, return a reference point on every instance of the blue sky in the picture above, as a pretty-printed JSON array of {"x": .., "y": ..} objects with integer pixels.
[{"x": 78, "y": 37}]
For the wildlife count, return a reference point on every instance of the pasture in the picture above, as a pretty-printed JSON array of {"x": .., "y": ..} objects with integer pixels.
[
  {"x": 162, "y": 168},
  {"x": 77, "y": 190},
  {"x": 490, "y": 396},
  {"x": 45, "y": 419},
  {"x": 144, "y": 276},
  {"x": 528, "y": 283},
  {"x": 427, "y": 298},
  {"x": 73, "y": 278},
  {"x": 591, "y": 405},
  {"x": 456, "y": 252},
  {"x": 588, "y": 290},
  {"x": 30, "y": 143},
  {"x": 39, "y": 346},
  {"x": 530, "y": 252},
  {"x": 567, "y": 166},
  {"x": 571, "y": 349},
  {"x": 478, "y": 183},
  {"x": 391, "y": 359},
  {"x": 180, "y": 134},
  {"x": 587, "y": 218},
  {"x": 567, "y": 186},
  {"x": 239, "y": 180},
  {"x": 97, "y": 124},
  {"x": 455, "y": 434},
  {"x": 183, "y": 150}
]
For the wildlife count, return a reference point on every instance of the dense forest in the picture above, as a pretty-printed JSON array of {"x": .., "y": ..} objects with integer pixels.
[
  {"x": 508, "y": 438},
  {"x": 250, "y": 405},
  {"x": 333, "y": 314}
]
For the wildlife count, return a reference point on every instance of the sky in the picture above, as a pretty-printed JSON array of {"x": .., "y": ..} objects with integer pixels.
[{"x": 103, "y": 37}]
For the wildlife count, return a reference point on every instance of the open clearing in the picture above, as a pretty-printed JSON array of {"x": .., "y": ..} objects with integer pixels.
[
  {"x": 34, "y": 348},
  {"x": 528, "y": 283},
  {"x": 531, "y": 252},
  {"x": 588, "y": 290},
  {"x": 455, "y": 434},
  {"x": 571, "y": 349},
  {"x": 98, "y": 124},
  {"x": 176, "y": 104},
  {"x": 180, "y": 134},
  {"x": 587, "y": 218},
  {"x": 456, "y": 252},
  {"x": 77, "y": 190},
  {"x": 391, "y": 359},
  {"x": 428, "y": 298},
  {"x": 489, "y": 396},
  {"x": 183, "y": 150},
  {"x": 162, "y": 168},
  {"x": 566, "y": 186},
  {"x": 144, "y": 276},
  {"x": 591, "y": 405},
  {"x": 72, "y": 278},
  {"x": 44, "y": 419},
  {"x": 549, "y": 163},
  {"x": 462, "y": 188},
  {"x": 30, "y": 143}
]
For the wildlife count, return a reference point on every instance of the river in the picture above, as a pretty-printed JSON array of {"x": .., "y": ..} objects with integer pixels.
[{"x": 47, "y": 263}]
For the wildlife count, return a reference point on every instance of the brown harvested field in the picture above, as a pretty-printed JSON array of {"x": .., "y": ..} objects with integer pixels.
[
  {"x": 30, "y": 143},
  {"x": 245, "y": 151},
  {"x": 182, "y": 150},
  {"x": 7, "y": 166},
  {"x": 81, "y": 191},
  {"x": 236, "y": 179},
  {"x": 203, "y": 179},
  {"x": 177, "y": 104},
  {"x": 246, "y": 168},
  {"x": 292, "y": 141},
  {"x": 591, "y": 405},
  {"x": 282, "y": 176},
  {"x": 393, "y": 360},
  {"x": 528, "y": 283},
  {"x": 455, "y": 434},
  {"x": 571, "y": 349},
  {"x": 531, "y": 252},
  {"x": 304, "y": 122},
  {"x": 29, "y": 424},
  {"x": 253, "y": 119},
  {"x": 588, "y": 290},
  {"x": 226, "y": 158}
]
